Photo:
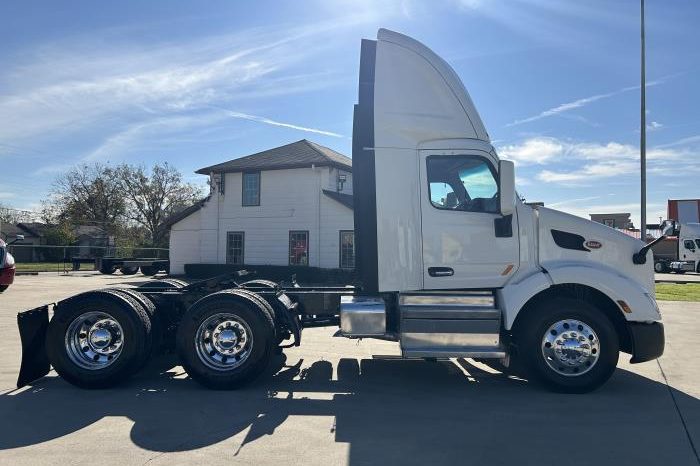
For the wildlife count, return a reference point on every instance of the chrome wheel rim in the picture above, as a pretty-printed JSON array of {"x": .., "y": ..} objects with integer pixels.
[
  {"x": 94, "y": 340},
  {"x": 570, "y": 347},
  {"x": 223, "y": 341}
]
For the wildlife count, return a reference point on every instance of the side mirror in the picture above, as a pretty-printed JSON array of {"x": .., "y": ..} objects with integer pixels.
[
  {"x": 668, "y": 228},
  {"x": 506, "y": 187}
]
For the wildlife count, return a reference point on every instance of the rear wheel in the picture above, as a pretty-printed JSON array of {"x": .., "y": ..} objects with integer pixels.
[
  {"x": 226, "y": 339},
  {"x": 128, "y": 270},
  {"x": 108, "y": 270},
  {"x": 149, "y": 270},
  {"x": 568, "y": 345},
  {"x": 3, "y": 288},
  {"x": 98, "y": 339}
]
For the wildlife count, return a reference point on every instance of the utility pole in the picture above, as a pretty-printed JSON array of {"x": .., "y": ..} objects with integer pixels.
[{"x": 643, "y": 144}]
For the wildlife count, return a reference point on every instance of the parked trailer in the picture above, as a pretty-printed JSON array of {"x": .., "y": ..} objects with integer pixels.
[
  {"x": 131, "y": 265},
  {"x": 452, "y": 265},
  {"x": 679, "y": 253}
]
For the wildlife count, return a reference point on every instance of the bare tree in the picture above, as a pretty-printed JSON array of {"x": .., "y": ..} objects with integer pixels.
[
  {"x": 87, "y": 194},
  {"x": 154, "y": 195}
]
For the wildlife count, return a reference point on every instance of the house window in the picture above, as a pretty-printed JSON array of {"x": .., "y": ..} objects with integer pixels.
[
  {"x": 609, "y": 222},
  {"x": 251, "y": 189},
  {"x": 298, "y": 248},
  {"x": 347, "y": 249},
  {"x": 235, "y": 243}
]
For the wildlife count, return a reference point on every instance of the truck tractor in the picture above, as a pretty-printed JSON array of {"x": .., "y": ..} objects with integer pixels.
[
  {"x": 679, "y": 253},
  {"x": 452, "y": 264}
]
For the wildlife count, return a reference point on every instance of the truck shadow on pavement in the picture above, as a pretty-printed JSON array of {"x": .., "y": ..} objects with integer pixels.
[{"x": 385, "y": 410}]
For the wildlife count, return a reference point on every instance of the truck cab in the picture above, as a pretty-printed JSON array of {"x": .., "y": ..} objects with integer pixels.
[
  {"x": 679, "y": 253},
  {"x": 688, "y": 249},
  {"x": 454, "y": 264}
]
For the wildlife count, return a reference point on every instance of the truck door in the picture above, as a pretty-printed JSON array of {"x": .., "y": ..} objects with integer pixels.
[{"x": 466, "y": 242}]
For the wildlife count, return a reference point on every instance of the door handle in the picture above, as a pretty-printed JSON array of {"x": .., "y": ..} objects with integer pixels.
[{"x": 440, "y": 271}]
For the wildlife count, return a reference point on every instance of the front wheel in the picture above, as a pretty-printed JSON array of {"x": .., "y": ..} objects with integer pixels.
[
  {"x": 660, "y": 267},
  {"x": 3, "y": 288},
  {"x": 568, "y": 345}
]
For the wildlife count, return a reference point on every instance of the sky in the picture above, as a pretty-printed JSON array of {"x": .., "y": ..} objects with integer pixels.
[{"x": 198, "y": 83}]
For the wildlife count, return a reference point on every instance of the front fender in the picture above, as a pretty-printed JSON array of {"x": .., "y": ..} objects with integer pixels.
[{"x": 617, "y": 287}]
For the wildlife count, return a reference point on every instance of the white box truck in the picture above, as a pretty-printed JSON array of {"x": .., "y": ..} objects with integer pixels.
[
  {"x": 679, "y": 253},
  {"x": 452, "y": 265}
]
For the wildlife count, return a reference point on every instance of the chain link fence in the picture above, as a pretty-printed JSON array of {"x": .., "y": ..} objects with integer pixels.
[{"x": 42, "y": 258}]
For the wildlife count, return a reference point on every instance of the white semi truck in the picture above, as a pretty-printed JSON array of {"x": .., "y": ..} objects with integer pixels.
[
  {"x": 452, "y": 265},
  {"x": 679, "y": 253}
]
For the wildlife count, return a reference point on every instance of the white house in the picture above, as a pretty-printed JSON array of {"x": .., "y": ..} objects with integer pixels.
[{"x": 291, "y": 205}]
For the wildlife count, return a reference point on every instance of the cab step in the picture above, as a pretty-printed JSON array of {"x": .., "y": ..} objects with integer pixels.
[{"x": 445, "y": 325}]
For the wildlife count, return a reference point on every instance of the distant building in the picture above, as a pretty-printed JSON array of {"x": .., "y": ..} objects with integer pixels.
[
  {"x": 290, "y": 205},
  {"x": 620, "y": 221}
]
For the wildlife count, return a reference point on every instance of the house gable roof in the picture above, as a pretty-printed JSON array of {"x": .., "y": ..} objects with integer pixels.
[
  {"x": 298, "y": 154},
  {"x": 346, "y": 199},
  {"x": 182, "y": 214}
]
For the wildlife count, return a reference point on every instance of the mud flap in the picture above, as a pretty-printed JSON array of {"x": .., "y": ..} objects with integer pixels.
[{"x": 32, "y": 330}]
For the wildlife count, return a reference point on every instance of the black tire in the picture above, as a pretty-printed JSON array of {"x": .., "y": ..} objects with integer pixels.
[
  {"x": 244, "y": 307},
  {"x": 3, "y": 288},
  {"x": 260, "y": 283},
  {"x": 108, "y": 270},
  {"x": 149, "y": 270},
  {"x": 132, "y": 318},
  {"x": 280, "y": 304},
  {"x": 531, "y": 331},
  {"x": 156, "y": 325},
  {"x": 660, "y": 267},
  {"x": 128, "y": 270},
  {"x": 166, "y": 283}
]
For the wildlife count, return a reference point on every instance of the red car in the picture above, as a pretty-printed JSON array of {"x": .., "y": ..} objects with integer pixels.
[{"x": 7, "y": 267}]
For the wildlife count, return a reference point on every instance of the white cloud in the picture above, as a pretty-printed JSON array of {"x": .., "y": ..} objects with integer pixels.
[
  {"x": 578, "y": 103},
  {"x": 589, "y": 161},
  {"x": 535, "y": 150},
  {"x": 80, "y": 85},
  {"x": 654, "y": 125},
  {"x": 589, "y": 172},
  {"x": 681, "y": 142},
  {"x": 268, "y": 121}
]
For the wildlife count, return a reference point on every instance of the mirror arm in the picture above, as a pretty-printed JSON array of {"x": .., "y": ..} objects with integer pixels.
[{"x": 641, "y": 256}]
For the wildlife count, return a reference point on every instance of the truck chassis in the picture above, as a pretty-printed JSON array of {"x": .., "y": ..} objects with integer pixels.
[{"x": 103, "y": 323}]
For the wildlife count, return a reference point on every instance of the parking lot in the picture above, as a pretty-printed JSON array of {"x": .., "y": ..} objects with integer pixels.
[{"x": 330, "y": 402}]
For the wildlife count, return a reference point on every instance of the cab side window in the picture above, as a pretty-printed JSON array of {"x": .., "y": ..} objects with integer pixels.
[
  {"x": 689, "y": 244},
  {"x": 462, "y": 182}
]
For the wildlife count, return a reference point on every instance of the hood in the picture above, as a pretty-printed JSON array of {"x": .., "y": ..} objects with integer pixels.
[{"x": 567, "y": 238}]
